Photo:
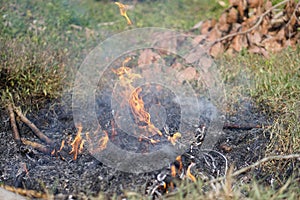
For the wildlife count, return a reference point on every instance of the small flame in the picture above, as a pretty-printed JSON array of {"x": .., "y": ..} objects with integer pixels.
[
  {"x": 77, "y": 144},
  {"x": 123, "y": 11},
  {"x": 178, "y": 159},
  {"x": 137, "y": 107},
  {"x": 189, "y": 174},
  {"x": 103, "y": 141},
  {"x": 173, "y": 170},
  {"x": 174, "y": 138},
  {"x": 61, "y": 146}
]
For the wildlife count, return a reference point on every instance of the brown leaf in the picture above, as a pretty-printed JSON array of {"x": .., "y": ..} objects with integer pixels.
[
  {"x": 224, "y": 28},
  {"x": 239, "y": 42},
  {"x": 166, "y": 41},
  {"x": 234, "y": 2},
  {"x": 223, "y": 19},
  {"x": 205, "y": 28},
  {"x": 254, "y": 3},
  {"x": 255, "y": 38},
  {"x": 216, "y": 50},
  {"x": 254, "y": 49},
  {"x": 147, "y": 57},
  {"x": 271, "y": 44},
  {"x": 232, "y": 16},
  {"x": 187, "y": 74},
  {"x": 194, "y": 55},
  {"x": 241, "y": 7},
  {"x": 214, "y": 34},
  {"x": 199, "y": 39}
]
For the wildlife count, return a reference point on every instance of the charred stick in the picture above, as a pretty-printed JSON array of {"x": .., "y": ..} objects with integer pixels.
[
  {"x": 37, "y": 146},
  {"x": 242, "y": 126},
  {"x": 13, "y": 123},
  {"x": 31, "y": 125}
]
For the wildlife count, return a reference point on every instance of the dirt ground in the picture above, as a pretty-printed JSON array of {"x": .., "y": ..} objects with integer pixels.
[{"x": 24, "y": 167}]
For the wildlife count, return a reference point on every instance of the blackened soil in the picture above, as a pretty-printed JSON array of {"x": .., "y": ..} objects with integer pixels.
[{"x": 24, "y": 167}]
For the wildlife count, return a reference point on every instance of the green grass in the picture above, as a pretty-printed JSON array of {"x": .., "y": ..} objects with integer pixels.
[
  {"x": 42, "y": 43},
  {"x": 61, "y": 33}
]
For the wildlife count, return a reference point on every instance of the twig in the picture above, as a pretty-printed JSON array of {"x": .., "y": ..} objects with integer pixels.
[
  {"x": 36, "y": 131},
  {"x": 266, "y": 159},
  {"x": 253, "y": 27},
  {"x": 27, "y": 193},
  {"x": 242, "y": 127},
  {"x": 13, "y": 123},
  {"x": 36, "y": 146}
]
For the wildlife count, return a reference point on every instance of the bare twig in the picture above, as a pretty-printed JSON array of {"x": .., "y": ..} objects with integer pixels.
[
  {"x": 36, "y": 131},
  {"x": 243, "y": 126},
  {"x": 27, "y": 193},
  {"x": 36, "y": 146},
  {"x": 266, "y": 159},
  {"x": 13, "y": 123},
  {"x": 260, "y": 18}
]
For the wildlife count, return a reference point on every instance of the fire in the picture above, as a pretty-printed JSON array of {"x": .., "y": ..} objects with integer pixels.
[
  {"x": 137, "y": 107},
  {"x": 173, "y": 170},
  {"x": 123, "y": 11},
  {"x": 189, "y": 174},
  {"x": 174, "y": 138},
  {"x": 178, "y": 159},
  {"x": 77, "y": 144},
  {"x": 177, "y": 164},
  {"x": 103, "y": 141}
]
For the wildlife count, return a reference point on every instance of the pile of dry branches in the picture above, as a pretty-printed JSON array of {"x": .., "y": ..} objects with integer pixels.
[{"x": 255, "y": 25}]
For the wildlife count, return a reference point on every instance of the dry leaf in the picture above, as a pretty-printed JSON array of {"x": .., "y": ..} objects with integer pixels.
[
  {"x": 254, "y": 3},
  {"x": 214, "y": 34},
  {"x": 255, "y": 38},
  {"x": 187, "y": 74},
  {"x": 271, "y": 44},
  {"x": 232, "y": 16},
  {"x": 148, "y": 57},
  {"x": 223, "y": 19},
  {"x": 234, "y": 2},
  {"x": 216, "y": 50},
  {"x": 206, "y": 27},
  {"x": 239, "y": 42}
]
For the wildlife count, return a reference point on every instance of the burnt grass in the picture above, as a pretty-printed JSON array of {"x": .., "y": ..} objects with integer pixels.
[{"x": 67, "y": 178}]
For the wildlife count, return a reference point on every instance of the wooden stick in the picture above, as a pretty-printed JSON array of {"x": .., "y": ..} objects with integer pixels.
[
  {"x": 36, "y": 131},
  {"x": 242, "y": 126},
  {"x": 13, "y": 123},
  {"x": 36, "y": 146},
  {"x": 27, "y": 193}
]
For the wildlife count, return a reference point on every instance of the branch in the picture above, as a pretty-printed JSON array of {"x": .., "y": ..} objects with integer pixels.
[
  {"x": 36, "y": 131},
  {"x": 36, "y": 146},
  {"x": 13, "y": 123}
]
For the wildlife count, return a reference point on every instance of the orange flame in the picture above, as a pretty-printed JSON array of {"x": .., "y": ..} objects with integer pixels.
[
  {"x": 189, "y": 174},
  {"x": 173, "y": 170},
  {"x": 103, "y": 141},
  {"x": 174, "y": 138},
  {"x": 123, "y": 11},
  {"x": 178, "y": 159},
  {"x": 77, "y": 144},
  {"x": 137, "y": 107}
]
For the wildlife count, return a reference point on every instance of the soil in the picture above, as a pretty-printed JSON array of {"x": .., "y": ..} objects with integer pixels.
[{"x": 24, "y": 167}]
